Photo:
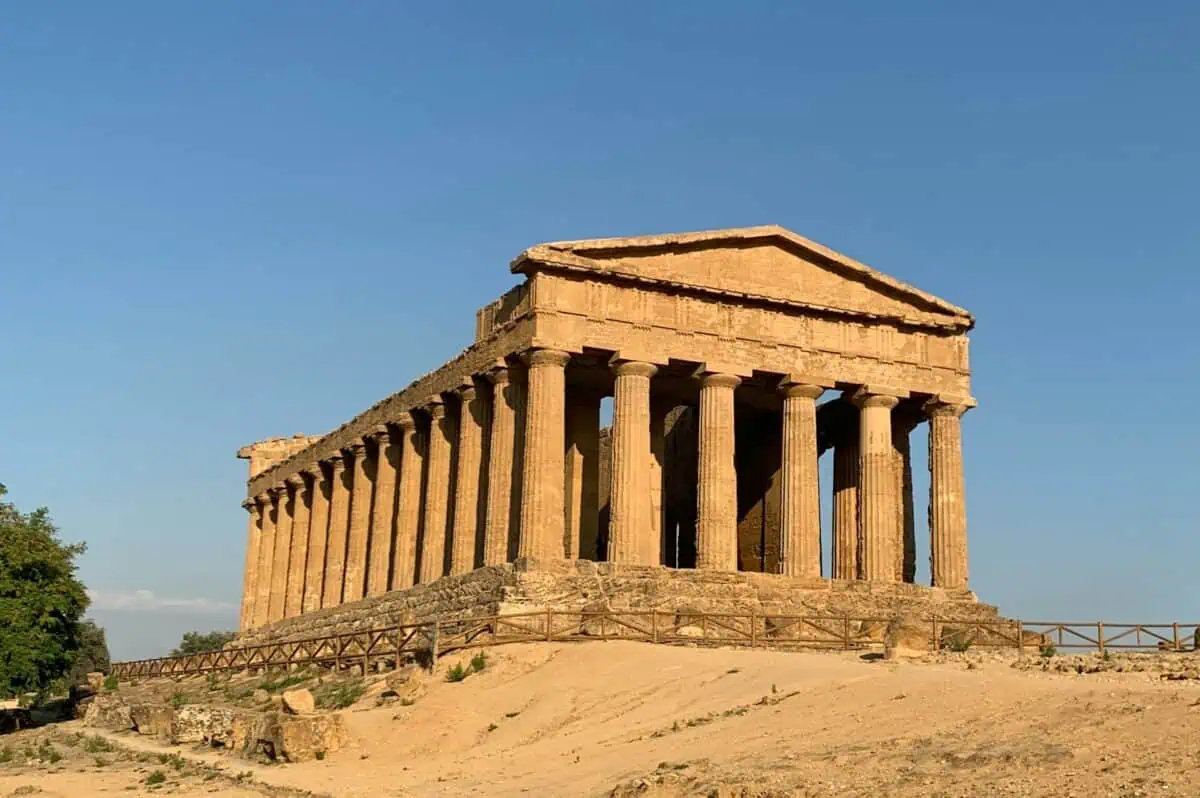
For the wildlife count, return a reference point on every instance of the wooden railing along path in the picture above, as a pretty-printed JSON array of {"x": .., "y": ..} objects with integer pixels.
[{"x": 391, "y": 646}]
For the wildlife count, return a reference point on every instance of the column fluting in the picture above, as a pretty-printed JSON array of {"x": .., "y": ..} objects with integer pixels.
[
  {"x": 878, "y": 504},
  {"x": 545, "y": 443},
  {"x": 800, "y": 533},
  {"x": 318, "y": 531},
  {"x": 582, "y": 498},
  {"x": 283, "y": 550},
  {"x": 339, "y": 527},
  {"x": 253, "y": 538},
  {"x": 408, "y": 505},
  {"x": 629, "y": 525},
  {"x": 947, "y": 496},
  {"x": 437, "y": 495},
  {"x": 716, "y": 505},
  {"x": 470, "y": 484},
  {"x": 266, "y": 560},
  {"x": 503, "y": 447},
  {"x": 298, "y": 558},
  {"x": 383, "y": 513},
  {"x": 847, "y": 537}
]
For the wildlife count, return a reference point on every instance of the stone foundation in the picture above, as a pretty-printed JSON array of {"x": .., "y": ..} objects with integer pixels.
[{"x": 529, "y": 586}]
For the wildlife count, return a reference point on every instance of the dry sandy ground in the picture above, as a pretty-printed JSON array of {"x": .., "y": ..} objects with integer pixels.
[{"x": 622, "y": 719}]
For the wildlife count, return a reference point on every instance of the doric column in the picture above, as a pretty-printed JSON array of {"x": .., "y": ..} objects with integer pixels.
[
  {"x": 878, "y": 504},
  {"x": 629, "y": 525},
  {"x": 716, "y": 505},
  {"x": 408, "y": 505},
  {"x": 545, "y": 441},
  {"x": 355, "y": 584},
  {"x": 470, "y": 481},
  {"x": 339, "y": 526},
  {"x": 800, "y": 533},
  {"x": 506, "y": 439},
  {"x": 947, "y": 495},
  {"x": 846, "y": 533},
  {"x": 249, "y": 578},
  {"x": 283, "y": 550},
  {"x": 298, "y": 558},
  {"x": 437, "y": 494},
  {"x": 266, "y": 560},
  {"x": 318, "y": 531},
  {"x": 582, "y": 501},
  {"x": 903, "y": 424},
  {"x": 660, "y": 406},
  {"x": 383, "y": 513}
]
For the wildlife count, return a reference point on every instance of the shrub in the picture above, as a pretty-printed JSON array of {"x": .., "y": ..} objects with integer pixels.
[
  {"x": 456, "y": 672},
  {"x": 1048, "y": 650},
  {"x": 6, "y": 755},
  {"x": 197, "y": 643},
  {"x": 111, "y": 683},
  {"x": 48, "y": 753},
  {"x": 97, "y": 745},
  {"x": 284, "y": 682},
  {"x": 156, "y": 777},
  {"x": 339, "y": 695},
  {"x": 958, "y": 643},
  {"x": 177, "y": 699},
  {"x": 101, "y": 762},
  {"x": 320, "y": 755},
  {"x": 479, "y": 662}
]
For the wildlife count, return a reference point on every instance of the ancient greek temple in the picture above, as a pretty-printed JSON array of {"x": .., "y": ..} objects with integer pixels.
[{"x": 733, "y": 358}]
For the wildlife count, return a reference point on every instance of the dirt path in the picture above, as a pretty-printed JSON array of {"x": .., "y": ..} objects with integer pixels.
[{"x": 634, "y": 719}]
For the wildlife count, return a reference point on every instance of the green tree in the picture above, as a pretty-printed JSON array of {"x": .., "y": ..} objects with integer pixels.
[
  {"x": 197, "y": 643},
  {"x": 93, "y": 653},
  {"x": 41, "y": 601}
]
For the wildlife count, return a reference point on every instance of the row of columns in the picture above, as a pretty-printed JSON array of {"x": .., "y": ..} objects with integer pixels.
[{"x": 336, "y": 533}]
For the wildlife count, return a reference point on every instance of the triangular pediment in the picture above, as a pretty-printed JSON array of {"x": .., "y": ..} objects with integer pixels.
[{"x": 769, "y": 263}]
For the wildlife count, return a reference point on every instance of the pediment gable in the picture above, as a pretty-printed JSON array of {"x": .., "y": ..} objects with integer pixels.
[{"x": 768, "y": 263}]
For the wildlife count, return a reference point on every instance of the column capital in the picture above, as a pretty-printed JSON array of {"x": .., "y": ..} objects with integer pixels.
[
  {"x": 296, "y": 481},
  {"x": 315, "y": 471},
  {"x": 466, "y": 390},
  {"x": 535, "y": 358},
  {"x": 435, "y": 406},
  {"x": 498, "y": 374},
  {"x": 381, "y": 434},
  {"x": 874, "y": 397},
  {"x": 279, "y": 491},
  {"x": 354, "y": 450},
  {"x": 406, "y": 422},
  {"x": 263, "y": 498},
  {"x": 337, "y": 464},
  {"x": 633, "y": 368},
  {"x": 249, "y": 505},
  {"x": 716, "y": 379},
  {"x": 946, "y": 406},
  {"x": 801, "y": 390}
]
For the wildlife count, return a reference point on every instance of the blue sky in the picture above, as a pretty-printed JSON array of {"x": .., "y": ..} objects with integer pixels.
[{"x": 232, "y": 220}]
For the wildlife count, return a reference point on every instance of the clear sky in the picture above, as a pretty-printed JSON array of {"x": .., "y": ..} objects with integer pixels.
[{"x": 226, "y": 221}]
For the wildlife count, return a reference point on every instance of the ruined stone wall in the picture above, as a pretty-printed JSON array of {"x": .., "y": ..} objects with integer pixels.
[
  {"x": 266, "y": 453},
  {"x": 527, "y": 586}
]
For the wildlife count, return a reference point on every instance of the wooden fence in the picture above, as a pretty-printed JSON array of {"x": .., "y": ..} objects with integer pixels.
[{"x": 391, "y": 646}]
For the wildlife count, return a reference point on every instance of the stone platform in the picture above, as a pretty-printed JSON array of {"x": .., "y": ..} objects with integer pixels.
[{"x": 529, "y": 586}]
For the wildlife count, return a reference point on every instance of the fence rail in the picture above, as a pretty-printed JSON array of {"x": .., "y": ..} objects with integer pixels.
[{"x": 393, "y": 645}]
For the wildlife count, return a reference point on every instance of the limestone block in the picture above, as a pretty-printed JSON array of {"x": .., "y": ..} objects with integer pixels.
[
  {"x": 108, "y": 711},
  {"x": 209, "y": 725},
  {"x": 299, "y": 702},
  {"x": 152, "y": 720},
  {"x": 291, "y": 738}
]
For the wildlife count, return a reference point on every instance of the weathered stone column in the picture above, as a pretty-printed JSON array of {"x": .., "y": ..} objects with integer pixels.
[
  {"x": 503, "y": 441},
  {"x": 545, "y": 443},
  {"x": 266, "y": 560},
  {"x": 339, "y": 526},
  {"x": 629, "y": 526},
  {"x": 383, "y": 513},
  {"x": 318, "y": 531},
  {"x": 250, "y": 577},
  {"x": 947, "y": 496},
  {"x": 847, "y": 537},
  {"x": 298, "y": 558},
  {"x": 437, "y": 494},
  {"x": 906, "y": 549},
  {"x": 878, "y": 504},
  {"x": 800, "y": 532},
  {"x": 660, "y": 407},
  {"x": 283, "y": 550},
  {"x": 582, "y": 502},
  {"x": 470, "y": 484},
  {"x": 408, "y": 505},
  {"x": 716, "y": 505},
  {"x": 355, "y": 584}
]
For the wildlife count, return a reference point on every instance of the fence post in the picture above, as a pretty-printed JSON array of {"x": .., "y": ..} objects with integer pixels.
[
  {"x": 549, "y": 626},
  {"x": 933, "y": 641},
  {"x": 433, "y": 644},
  {"x": 846, "y": 633},
  {"x": 753, "y": 630},
  {"x": 1175, "y": 630},
  {"x": 1021, "y": 639},
  {"x": 654, "y": 626},
  {"x": 1100, "y": 636}
]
